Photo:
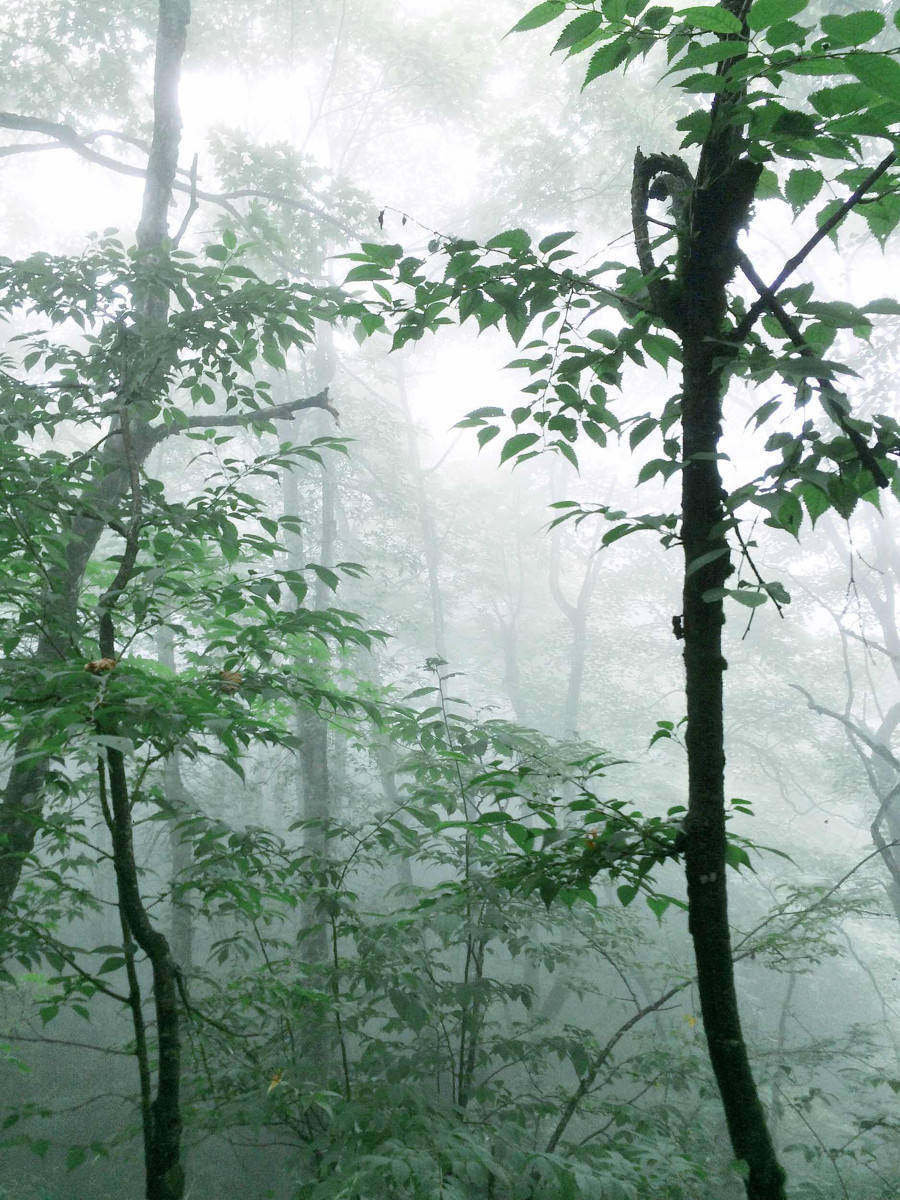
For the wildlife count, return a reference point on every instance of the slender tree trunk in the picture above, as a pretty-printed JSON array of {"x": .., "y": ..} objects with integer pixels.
[
  {"x": 180, "y": 847},
  {"x": 430, "y": 543},
  {"x": 722, "y": 195},
  {"x": 702, "y": 534},
  {"x": 577, "y": 616}
]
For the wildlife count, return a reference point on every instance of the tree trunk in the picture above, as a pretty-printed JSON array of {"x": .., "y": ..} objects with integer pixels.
[
  {"x": 577, "y": 616},
  {"x": 722, "y": 195},
  {"x": 430, "y": 542},
  {"x": 180, "y": 847}
]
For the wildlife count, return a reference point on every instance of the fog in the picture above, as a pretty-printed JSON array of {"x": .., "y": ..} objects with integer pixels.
[{"x": 370, "y": 515}]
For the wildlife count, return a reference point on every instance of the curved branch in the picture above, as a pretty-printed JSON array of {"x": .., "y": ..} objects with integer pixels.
[
  {"x": 66, "y": 138},
  {"x": 646, "y": 168}
]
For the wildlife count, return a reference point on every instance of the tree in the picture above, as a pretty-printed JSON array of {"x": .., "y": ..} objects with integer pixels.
[
  {"x": 134, "y": 329},
  {"x": 686, "y": 306}
]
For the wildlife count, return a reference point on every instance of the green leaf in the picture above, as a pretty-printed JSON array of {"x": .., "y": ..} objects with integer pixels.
[
  {"x": 541, "y": 14},
  {"x": 545, "y": 245},
  {"x": 702, "y": 559},
  {"x": 885, "y": 306},
  {"x": 606, "y": 59},
  {"x": 521, "y": 835},
  {"x": 516, "y": 444},
  {"x": 803, "y": 185},
  {"x": 853, "y": 29},
  {"x": 749, "y": 597},
  {"x": 714, "y": 19},
  {"x": 658, "y": 905},
  {"x": 786, "y": 33},
  {"x": 328, "y": 577},
  {"x": 626, "y": 894},
  {"x": 366, "y": 272},
  {"x": 876, "y": 71},
  {"x": 763, "y": 413},
  {"x": 582, "y": 27},
  {"x": 767, "y": 12},
  {"x": 642, "y": 430},
  {"x": 516, "y": 240},
  {"x": 737, "y": 856},
  {"x": 661, "y": 348},
  {"x": 486, "y": 434},
  {"x": 75, "y": 1155}
]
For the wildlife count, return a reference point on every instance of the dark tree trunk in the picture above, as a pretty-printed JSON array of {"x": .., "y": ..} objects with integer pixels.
[{"x": 721, "y": 199}]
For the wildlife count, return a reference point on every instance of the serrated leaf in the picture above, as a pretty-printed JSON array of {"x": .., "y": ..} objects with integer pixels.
[
  {"x": 541, "y": 14},
  {"x": 852, "y": 29},
  {"x": 516, "y": 240},
  {"x": 767, "y": 12},
  {"x": 606, "y": 59},
  {"x": 803, "y": 185},
  {"x": 876, "y": 71},
  {"x": 642, "y": 430},
  {"x": 583, "y": 26},
  {"x": 885, "y": 306},
  {"x": 714, "y": 20},
  {"x": 661, "y": 348},
  {"x": 516, "y": 444}
]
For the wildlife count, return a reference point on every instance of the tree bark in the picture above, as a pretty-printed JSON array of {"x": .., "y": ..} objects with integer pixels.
[
  {"x": 694, "y": 304},
  {"x": 181, "y": 921}
]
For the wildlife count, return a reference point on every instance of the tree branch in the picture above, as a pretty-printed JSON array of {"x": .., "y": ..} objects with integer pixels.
[
  {"x": 66, "y": 138},
  {"x": 277, "y": 412},
  {"x": 851, "y": 726},
  {"x": 803, "y": 253},
  {"x": 832, "y": 399}
]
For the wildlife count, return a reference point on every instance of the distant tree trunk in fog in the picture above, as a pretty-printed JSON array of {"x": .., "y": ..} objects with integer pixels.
[
  {"x": 313, "y": 778},
  {"x": 872, "y": 744},
  {"x": 507, "y": 627},
  {"x": 181, "y": 857},
  {"x": 577, "y": 616},
  {"x": 430, "y": 543},
  {"x": 385, "y": 760}
]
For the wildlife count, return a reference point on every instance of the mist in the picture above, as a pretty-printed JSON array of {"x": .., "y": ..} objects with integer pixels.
[{"x": 449, "y": 648}]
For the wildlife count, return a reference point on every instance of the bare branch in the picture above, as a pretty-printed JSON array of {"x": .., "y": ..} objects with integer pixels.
[{"x": 68, "y": 139}]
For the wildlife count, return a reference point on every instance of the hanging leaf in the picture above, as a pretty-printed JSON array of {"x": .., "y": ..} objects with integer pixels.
[{"x": 541, "y": 14}]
